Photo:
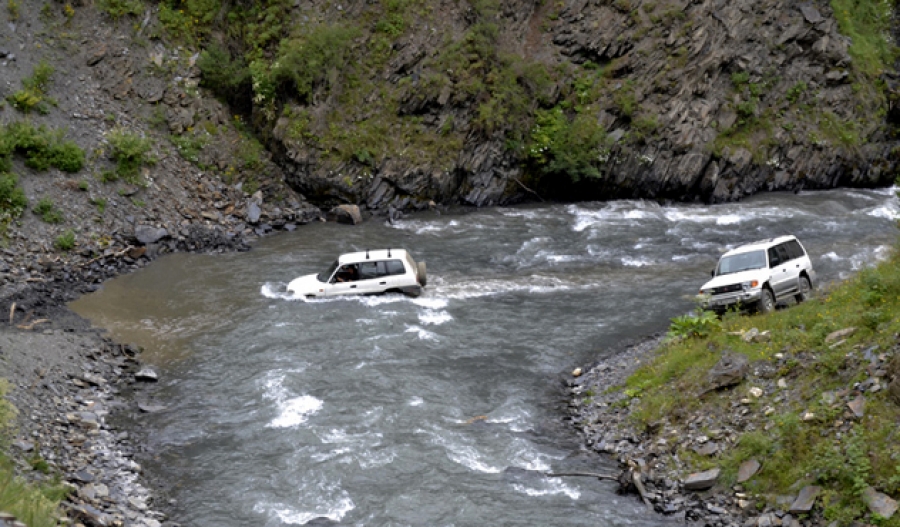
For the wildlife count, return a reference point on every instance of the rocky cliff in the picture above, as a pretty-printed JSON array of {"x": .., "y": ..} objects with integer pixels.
[{"x": 488, "y": 102}]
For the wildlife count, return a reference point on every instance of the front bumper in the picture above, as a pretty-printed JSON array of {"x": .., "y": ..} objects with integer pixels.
[{"x": 726, "y": 300}]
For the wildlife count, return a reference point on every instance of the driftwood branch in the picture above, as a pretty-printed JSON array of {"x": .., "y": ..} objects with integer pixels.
[
  {"x": 29, "y": 327},
  {"x": 12, "y": 313},
  {"x": 119, "y": 254},
  {"x": 581, "y": 474},
  {"x": 526, "y": 188}
]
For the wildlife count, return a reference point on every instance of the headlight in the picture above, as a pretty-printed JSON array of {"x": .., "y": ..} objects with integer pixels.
[{"x": 752, "y": 284}]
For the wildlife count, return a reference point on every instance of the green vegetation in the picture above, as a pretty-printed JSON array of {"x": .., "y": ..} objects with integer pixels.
[
  {"x": 190, "y": 145},
  {"x": 43, "y": 148},
  {"x": 32, "y": 505},
  {"x": 573, "y": 148},
  {"x": 130, "y": 152},
  {"x": 33, "y": 95},
  {"x": 119, "y": 8},
  {"x": 65, "y": 241},
  {"x": 12, "y": 7},
  {"x": 12, "y": 199},
  {"x": 48, "y": 211},
  {"x": 803, "y": 434},
  {"x": 868, "y": 24}
]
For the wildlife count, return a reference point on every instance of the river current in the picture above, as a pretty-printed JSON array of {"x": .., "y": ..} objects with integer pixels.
[{"x": 443, "y": 410}]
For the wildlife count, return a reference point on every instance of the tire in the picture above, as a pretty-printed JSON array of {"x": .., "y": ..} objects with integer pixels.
[
  {"x": 766, "y": 303},
  {"x": 420, "y": 271},
  {"x": 805, "y": 290}
]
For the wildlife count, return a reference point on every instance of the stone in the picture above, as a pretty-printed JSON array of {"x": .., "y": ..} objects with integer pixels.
[
  {"x": 24, "y": 446},
  {"x": 253, "y": 212},
  {"x": 348, "y": 214},
  {"x": 747, "y": 470},
  {"x": 146, "y": 234},
  {"x": 756, "y": 392},
  {"x": 97, "y": 55},
  {"x": 805, "y": 500},
  {"x": 151, "y": 408},
  {"x": 730, "y": 370},
  {"x": 858, "y": 406},
  {"x": 811, "y": 14},
  {"x": 146, "y": 375},
  {"x": 839, "y": 334},
  {"x": 879, "y": 503},
  {"x": 707, "y": 449},
  {"x": 702, "y": 480}
]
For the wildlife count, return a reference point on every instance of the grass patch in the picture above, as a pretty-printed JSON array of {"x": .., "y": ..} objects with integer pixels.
[
  {"x": 48, "y": 211},
  {"x": 868, "y": 24},
  {"x": 65, "y": 241}
]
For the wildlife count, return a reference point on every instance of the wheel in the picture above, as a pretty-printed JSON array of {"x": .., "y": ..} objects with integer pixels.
[
  {"x": 805, "y": 289},
  {"x": 766, "y": 303}
]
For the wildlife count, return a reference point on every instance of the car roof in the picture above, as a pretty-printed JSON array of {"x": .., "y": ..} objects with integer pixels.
[
  {"x": 375, "y": 254},
  {"x": 760, "y": 244}
]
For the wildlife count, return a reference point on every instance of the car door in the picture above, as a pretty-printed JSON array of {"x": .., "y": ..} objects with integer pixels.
[
  {"x": 370, "y": 280},
  {"x": 344, "y": 282},
  {"x": 781, "y": 279}
]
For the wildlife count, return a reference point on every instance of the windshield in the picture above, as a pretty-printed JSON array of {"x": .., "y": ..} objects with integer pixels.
[
  {"x": 323, "y": 277},
  {"x": 741, "y": 262}
]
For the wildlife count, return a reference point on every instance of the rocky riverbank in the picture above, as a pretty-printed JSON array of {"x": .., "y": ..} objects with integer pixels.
[{"x": 659, "y": 461}]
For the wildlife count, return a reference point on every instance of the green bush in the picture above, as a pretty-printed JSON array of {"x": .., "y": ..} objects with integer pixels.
[
  {"x": 190, "y": 145},
  {"x": 119, "y": 8},
  {"x": 574, "y": 148},
  {"x": 699, "y": 324},
  {"x": 306, "y": 61},
  {"x": 65, "y": 241},
  {"x": 48, "y": 211},
  {"x": 41, "y": 147},
  {"x": 12, "y": 198},
  {"x": 33, "y": 93},
  {"x": 130, "y": 151},
  {"x": 227, "y": 76}
]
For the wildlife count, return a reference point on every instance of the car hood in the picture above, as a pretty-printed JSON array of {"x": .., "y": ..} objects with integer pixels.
[
  {"x": 737, "y": 278},
  {"x": 306, "y": 285}
]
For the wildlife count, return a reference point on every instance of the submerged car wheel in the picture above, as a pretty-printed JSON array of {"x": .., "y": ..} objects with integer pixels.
[
  {"x": 766, "y": 303},
  {"x": 805, "y": 289}
]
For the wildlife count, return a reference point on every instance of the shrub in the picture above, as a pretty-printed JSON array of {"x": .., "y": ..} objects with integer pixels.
[
  {"x": 41, "y": 147},
  {"x": 48, "y": 211},
  {"x": 190, "y": 146},
  {"x": 130, "y": 151},
  {"x": 65, "y": 241},
  {"x": 227, "y": 76},
  {"x": 12, "y": 198},
  {"x": 699, "y": 324},
  {"x": 561, "y": 146},
  {"x": 33, "y": 92},
  {"x": 119, "y": 8},
  {"x": 305, "y": 61}
]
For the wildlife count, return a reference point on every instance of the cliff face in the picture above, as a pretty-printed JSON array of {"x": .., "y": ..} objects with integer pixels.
[{"x": 494, "y": 102}]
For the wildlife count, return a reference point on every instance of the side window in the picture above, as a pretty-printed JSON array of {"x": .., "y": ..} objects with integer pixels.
[
  {"x": 395, "y": 267},
  {"x": 795, "y": 249},
  {"x": 783, "y": 253},
  {"x": 774, "y": 257},
  {"x": 367, "y": 270}
]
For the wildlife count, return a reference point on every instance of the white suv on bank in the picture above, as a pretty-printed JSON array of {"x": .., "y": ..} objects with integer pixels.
[
  {"x": 365, "y": 273},
  {"x": 758, "y": 275}
]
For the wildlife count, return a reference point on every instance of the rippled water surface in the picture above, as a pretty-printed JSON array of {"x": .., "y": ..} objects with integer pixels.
[{"x": 440, "y": 410}]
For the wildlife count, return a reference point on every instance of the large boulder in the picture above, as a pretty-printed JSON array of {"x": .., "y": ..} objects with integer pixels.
[{"x": 348, "y": 214}]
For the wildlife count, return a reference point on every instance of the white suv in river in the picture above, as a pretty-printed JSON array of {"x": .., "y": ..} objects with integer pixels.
[
  {"x": 366, "y": 273},
  {"x": 758, "y": 275}
]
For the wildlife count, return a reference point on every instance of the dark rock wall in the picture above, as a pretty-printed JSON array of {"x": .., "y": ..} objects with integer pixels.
[{"x": 743, "y": 97}]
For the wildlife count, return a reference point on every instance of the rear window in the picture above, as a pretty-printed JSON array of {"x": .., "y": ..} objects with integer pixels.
[{"x": 394, "y": 267}]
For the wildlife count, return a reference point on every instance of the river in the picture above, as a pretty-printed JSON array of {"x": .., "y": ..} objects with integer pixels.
[{"x": 443, "y": 410}]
